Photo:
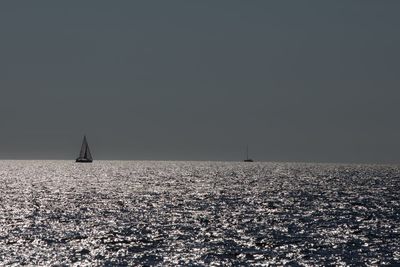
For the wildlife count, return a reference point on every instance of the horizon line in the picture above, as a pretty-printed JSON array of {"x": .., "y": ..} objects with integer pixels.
[{"x": 213, "y": 160}]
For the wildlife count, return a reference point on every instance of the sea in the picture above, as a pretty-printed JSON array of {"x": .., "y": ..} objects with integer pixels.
[{"x": 154, "y": 213}]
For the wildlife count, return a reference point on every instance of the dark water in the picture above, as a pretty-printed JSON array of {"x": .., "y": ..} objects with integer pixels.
[{"x": 198, "y": 213}]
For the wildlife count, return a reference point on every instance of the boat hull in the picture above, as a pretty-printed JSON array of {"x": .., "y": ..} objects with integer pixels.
[{"x": 83, "y": 160}]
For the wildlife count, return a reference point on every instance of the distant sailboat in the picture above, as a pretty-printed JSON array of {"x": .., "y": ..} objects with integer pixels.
[
  {"x": 247, "y": 155},
  {"x": 84, "y": 155}
]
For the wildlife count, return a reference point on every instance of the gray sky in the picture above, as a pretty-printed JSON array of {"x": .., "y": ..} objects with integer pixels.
[{"x": 198, "y": 80}]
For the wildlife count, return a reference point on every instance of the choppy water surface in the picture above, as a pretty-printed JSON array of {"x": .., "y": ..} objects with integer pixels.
[{"x": 198, "y": 213}]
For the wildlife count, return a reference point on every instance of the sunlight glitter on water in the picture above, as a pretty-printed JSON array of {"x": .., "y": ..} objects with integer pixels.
[{"x": 198, "y": 213}]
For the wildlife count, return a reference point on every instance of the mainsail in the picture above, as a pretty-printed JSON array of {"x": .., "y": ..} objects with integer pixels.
[{"x": 84, "y": 154}]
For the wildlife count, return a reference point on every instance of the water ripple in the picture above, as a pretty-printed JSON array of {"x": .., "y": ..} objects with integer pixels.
[{"x": 58, "y": 213}]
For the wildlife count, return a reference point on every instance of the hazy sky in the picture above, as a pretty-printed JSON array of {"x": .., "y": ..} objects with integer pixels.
[{"x": 198, "y": 80}]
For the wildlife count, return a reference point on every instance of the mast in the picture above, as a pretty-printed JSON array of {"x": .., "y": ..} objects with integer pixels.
[
  {"x": 82, "y": 153},
  {"x": 247, "y": 159}
]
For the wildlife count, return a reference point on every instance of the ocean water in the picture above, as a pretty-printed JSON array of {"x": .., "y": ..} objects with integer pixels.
[{"x": 122, "y": 213}]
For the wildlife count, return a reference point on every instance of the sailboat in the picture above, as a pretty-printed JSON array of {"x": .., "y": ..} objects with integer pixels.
[
  {"x": 247, "y": 155},
  {"x": 84, "y": 155}
]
